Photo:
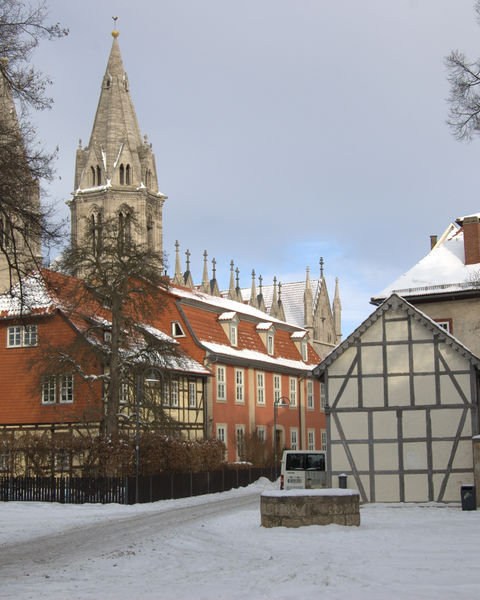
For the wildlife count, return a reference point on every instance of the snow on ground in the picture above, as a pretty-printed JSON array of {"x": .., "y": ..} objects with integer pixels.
[{"x": 214, "y": 547}]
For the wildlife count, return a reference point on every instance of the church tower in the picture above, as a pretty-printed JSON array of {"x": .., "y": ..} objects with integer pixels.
[
  {"x": 115, "y": 175},
  {"x": 20, "y": 236}
]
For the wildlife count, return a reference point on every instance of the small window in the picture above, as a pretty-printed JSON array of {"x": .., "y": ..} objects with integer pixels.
[
  {"x": 260, "y": 388},
  {"x": 66, "y": 389},
  {"x": 277, "y": 388},
  {"x": 239, "y": 386},
  {"x": 99, "y": 176},
  {"x": 310, "y": 397},
  {"x": 166, "y": 394},
  {"x": 240, "y": 440},
  {"x": 174, "y": 394},
  {"x": 122, "y": 174},
  {"x": 124, "y": 392},
  {"x": 233, "y": 333},
  {"x": 48, "y": 390},
  {"x": 262, "y": 433},
  {"x": 293, "y": 438},
  {"x": 177, "y": 330},
  {"x": 445, "y": 324},
  {"x": 192, "y": 394},
  {"x": 62, "y": 461},
  {"x": 270, "y": 343},
  {"x": 293, "y": 392},
  {"x": 323, "y": 399},
  {"x": 311, "y": 439},
  {"x": 222, "y": 433},
  {"x": 92, "y": 176},
  {"x": 127, "y": 175},
  {"x": 324, "y": 439},
  {"x": 107, "y": 336},
  {"x": 221, "y": 381},
  {"x": 304, "y": 349},
  {"x": 21, "y": 335}
]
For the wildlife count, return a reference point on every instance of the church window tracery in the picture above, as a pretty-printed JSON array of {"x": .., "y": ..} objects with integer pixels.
[
  {"x": 92, "y": 175},
  {"x": 127, "y": 175},
  {"x": 99, "y": 176}
]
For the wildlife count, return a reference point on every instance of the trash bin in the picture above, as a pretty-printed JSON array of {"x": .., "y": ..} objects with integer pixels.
[
  {"x": 467, "y": 493},
  {"x": 342, "y": 481}
]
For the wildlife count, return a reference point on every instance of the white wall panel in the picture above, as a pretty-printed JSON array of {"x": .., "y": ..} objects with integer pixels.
[
  {"x": 343, "y": 362},
  {"x": 372, "y": 359},
  {"x": 355, "y": 425},
  {"x": 386, "y": 457},
  {"x": 414, "y": 424},
  {"x": 372, "y": 388},
  {"x": 416, "y": 488},
  {"x": 423, "y": 358},
  {"x": 385, "y": 425},
  {"x": 424, "y": 387},
  {"x": 397, "y": 359},
  {"x": 399, "y": 391},
  {"x": 414, "y": 455},
  {"x": 387, "y": 488}
]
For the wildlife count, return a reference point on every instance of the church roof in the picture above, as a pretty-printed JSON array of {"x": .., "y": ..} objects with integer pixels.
[{"x": 442, "y": 270}]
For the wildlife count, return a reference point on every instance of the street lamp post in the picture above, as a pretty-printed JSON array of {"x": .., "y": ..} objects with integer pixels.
[
  {"x": 282, "y": 401},
  {"x": 150, "y": 375}
]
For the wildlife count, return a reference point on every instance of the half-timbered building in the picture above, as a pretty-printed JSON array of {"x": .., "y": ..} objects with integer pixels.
[{"x": 402, "y": 406}]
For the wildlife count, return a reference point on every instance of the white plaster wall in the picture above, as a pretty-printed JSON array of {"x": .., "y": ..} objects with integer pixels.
[
  {"x": 414, "y": 423},
  {"x": 397, "y": 359},
  {"x": 399, "y": 391},
  {"x": 372, "y": 388},
  {"x": 385, "y": 425},
  {"x": 424, "y": 389},
  {"x": 396, "y": 330},
  {"x": 423, "y": 358},
  {"x": 355, "y": 425},
  {"x": 387, "y": 488},
  {"x": 385, "y": 457},
  {"x": 445, "y": 422},
  {"x": 454, "y": 483},
  {"x": 414, "y": 455},
  {"x": 416, "y": 488},
  {"x": 419, "y": 332},
  {"x": 374, "y": 332},
  {"x": 448, "y": 392},
  {"x": 349, "y": 397},
  {"x": 454, "y": 360},
  {"x": 343, "y": 362},
  {"x": 372, "y": 360}
]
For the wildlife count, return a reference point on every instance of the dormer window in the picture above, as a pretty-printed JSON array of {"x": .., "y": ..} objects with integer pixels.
[
  {"x": 229, "y": 322},
  {"x": 177, "y": 330},
  {"x": 270, "y": 343},
  {"x": 267, "y": 333},
  {"x": 300, "y": 338},
  {"x": 304, "y": 349},
  {"x": 233, "y": 328}
]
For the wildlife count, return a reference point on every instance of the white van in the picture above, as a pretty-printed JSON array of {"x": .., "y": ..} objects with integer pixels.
[{"x": 303, "y": 469}]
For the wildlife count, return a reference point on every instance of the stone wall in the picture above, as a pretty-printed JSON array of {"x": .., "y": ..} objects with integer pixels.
[{"x": 294, "y": 508}]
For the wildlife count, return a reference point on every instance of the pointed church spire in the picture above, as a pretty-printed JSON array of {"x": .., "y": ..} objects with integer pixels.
[
  {"x": 260, "y": 300},
  {"x": 187, "y": 276},
  {"x": 274, "y": 306},
  {"x": 238, "y": 291},
  {"x": 253, "y": 292},
  {"x": 280, "y": 311},
  {"x": 204, "y": 287},
  {"x": 231, "y": 288},
  {"x": 214, "y": 289},
  {"x": 178, "y": 277}
]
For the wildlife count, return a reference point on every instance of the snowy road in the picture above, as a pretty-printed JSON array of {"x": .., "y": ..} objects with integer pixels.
[
  {"x": 213, "y": 547},
  {"x": 66, "y": 548}
]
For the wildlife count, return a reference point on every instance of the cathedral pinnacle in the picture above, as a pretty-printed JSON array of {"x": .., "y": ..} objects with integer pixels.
[{"x": 115, "y": 32}]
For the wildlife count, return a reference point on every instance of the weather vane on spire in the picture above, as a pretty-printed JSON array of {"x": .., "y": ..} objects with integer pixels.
[{"x": 115, "y": 30}]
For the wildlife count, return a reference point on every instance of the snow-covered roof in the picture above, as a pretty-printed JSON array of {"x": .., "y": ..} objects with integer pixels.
[
  {"x": 227, "y": 316},
  {"x": 253, "y": 355},
  {"x": 265, "y": 326},
  {"x": 443, "y": 270},
  {"x": 225, "y": 304},
  {"x": 30, "y": 297}
]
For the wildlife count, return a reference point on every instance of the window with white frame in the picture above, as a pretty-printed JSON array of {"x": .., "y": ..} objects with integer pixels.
[
  {"x": 233, "y": 333},
  {"x": 310, "y": 397},
  {"x": 324, "y": 439},
  {"x": 192, "y": 394},
  {"x": 19, "y": 336},
  {"x": 124, "y": 392},
  {"x": 270, "y": 343},
  {"x": 277, "y": 388},
  {"x": 445, "y": 324},
  {"x": 221, "y": 384},
  {"x": 322, "y": 396},
  {"x": 57, "y": 388},
  {"x": 260, "y": 388},
  {"x": 311, "y": 439},
  {"x": 177, "y": 329},
  {"x": 262, "y": 433},
  {"x": 4, "y": 460},
  {"x": 240, "y": 441},
  {"x": 293, "y": 392},
  {"x": 166, "y": 394},
  {"x": 174, "y": 394},
  {"x": 304, "y": 349},
  {"x": 239, "y": 386},
  {"x": 62, "y": 460},
  {"x": 293, "y": 438},
  {"x": 66, "y": 389},
  {"x": 222, "y": 433}
]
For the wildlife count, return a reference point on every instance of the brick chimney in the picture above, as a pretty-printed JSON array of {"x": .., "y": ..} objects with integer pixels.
[
  {"x": 433, "y": 241},
  {"x": 471, "y": 240}
]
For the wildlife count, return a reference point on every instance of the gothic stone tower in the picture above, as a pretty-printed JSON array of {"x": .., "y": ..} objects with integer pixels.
[
  {"x": 115, "y": 175},
  {"x": 20, "y": 241}
]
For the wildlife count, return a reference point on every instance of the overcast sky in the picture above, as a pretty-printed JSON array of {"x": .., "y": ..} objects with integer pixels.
[{"x": 284, "y": 130}]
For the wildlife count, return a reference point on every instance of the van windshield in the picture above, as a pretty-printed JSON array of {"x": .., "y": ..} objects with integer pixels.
[{"x": 304, "y": 462}]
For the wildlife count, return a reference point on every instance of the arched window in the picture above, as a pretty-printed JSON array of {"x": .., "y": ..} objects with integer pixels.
[
  {"x": 127, "y": 175},
  {"x": 150, "y": 234},
  {"x": 122, "y": 174},
  {"x": 99, "y": 176},
  {"x": 92, "y": 175}
]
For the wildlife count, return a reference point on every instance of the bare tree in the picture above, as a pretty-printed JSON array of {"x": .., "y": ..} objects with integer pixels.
[
  {"x": 23, "y": 161},
  {"x": 118, "y": 292}
]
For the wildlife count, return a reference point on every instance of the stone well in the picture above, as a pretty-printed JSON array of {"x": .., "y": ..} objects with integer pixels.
[{"x": 294, "y": 508}]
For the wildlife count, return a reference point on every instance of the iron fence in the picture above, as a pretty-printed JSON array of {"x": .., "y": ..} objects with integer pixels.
[{"x": 121, "y": 490}]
